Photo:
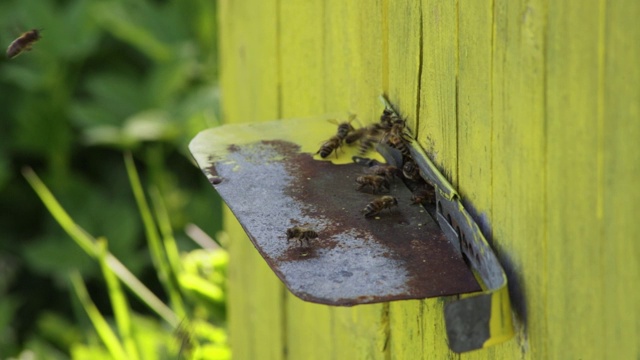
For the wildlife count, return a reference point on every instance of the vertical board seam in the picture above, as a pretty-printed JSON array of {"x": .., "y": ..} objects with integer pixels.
[
  {"x": 323, "y": 51},
  {"x": 545, "y": 168},
  {"x": 492, "y": 9},
  {"x": 456, "y": 170},
  {"x": 457, "y": 115},
  {"x": 284, "y": 351},
  {"x": 386, "y": 323},
  {"x": 279, "y": 94},
  {"x": 420, "y": 65},
  {"x": 385, "y": 47},
  {"x": 600, "y": 149}
]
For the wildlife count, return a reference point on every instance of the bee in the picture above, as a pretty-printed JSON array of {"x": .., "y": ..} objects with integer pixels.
[
  {"x": 411, "y": 171},
  {"x": 388, "y": 118},
  {"x": 368, "y": 143},
  {"x": 397, "y": 129},
  {"x": 344, "y": 128},
  {"x": 379, "y": 204},
  {"x": 386, "y": 170},
  {"x": 333, "y": 144},
  {"x": 302, "y": 234},
  {"x": 368, "y": 136},
  {"x": 423, "y": 195},
  {"x": 368, "y": 131},
  {"x": 23, "y": 43},
  {"x": 375, "y": 182},
  {"x": 398, "y": 142}
]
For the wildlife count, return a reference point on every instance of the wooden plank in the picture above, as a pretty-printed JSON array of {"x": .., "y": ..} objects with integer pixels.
[
  {"x": 354, "y": 42},
  {"x": 404, "y": 58},
  {"x": 437, "y": 130},
  {"x": 249, "y": 79},
  {"x": 518, "y": 170},
  {"x": 249, "y": 68},
  {"x": 309, "y": 330},
  {"x": 422, "y": 38},
  {"x": 619, "y": 171},
  {"x": 359, "y": 63},
  {"x": 323, "y": 332},
  {"x": 474, "y": 107},
  {"x": 302, "y": 46},
  {"x": 475, "y": 130},
  {"x": 332, "y": 40},
  {"x": 574, "y": 299},
  {"x": 301, "y": 35}
]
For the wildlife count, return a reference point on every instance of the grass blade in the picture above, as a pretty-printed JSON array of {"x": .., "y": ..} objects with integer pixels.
[
  {"x": 103, "y": 329},
  {"x": 153, "y": 238},
  {"x": 61, "y": 216},
  {"x": 121, "y": 309},
  {"x": 171, "y": 251},
  {"x": 88, "y": 244}
]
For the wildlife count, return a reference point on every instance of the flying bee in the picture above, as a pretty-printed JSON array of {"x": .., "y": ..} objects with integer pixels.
[
  {"x": 302, "y": 234},
  {"x": 345, "y": 127},
  {"x": 23, "y": 43},
  {"x": 367, "y": 136},
  {"x": 379, "y": 204},
  {"x": 375, "y": 182},
  {"x": 411, "y": 171},
  {"x": 368, "y": 143},
  {"x": 363, "y": 132},
  {"x": 333, "y": 144},
  {"x": 386, "y": 170},
  {"x": 423, "y": 195}
]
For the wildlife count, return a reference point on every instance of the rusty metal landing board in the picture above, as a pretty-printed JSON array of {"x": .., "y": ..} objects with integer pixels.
[{"x": 267, "y": 175}]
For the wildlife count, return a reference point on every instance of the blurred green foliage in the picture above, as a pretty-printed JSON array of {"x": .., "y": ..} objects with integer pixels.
[{"x": 107, "y": 76}]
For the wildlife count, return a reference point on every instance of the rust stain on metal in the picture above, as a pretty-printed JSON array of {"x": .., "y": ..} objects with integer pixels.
[{"x": 400, "y": 254}]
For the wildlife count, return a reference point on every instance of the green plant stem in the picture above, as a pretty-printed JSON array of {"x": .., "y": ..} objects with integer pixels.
[
  {"x": 88, "y": 244},
  {"x": 121, "y": 309},
  {"x": 103, "y": 329},
  {"x": 158, "y": 255},
  {"x": 171, "y": 251}
]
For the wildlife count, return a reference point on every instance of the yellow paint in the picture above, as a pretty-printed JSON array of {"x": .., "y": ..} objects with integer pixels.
[
  {"x": 530, "y": 109},
  {"x": 500, "y": 326},
  {"x": 309, "y": 134}
]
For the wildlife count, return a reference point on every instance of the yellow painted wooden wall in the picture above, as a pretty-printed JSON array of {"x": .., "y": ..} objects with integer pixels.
[{"x": 530, "y": 108}]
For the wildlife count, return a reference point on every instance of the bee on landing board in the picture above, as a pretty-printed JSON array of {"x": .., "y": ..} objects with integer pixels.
[
  {"x": 302, "y": 234},
  {"x": 23, "y": 43},
  {"x": 333, "y": 144},
  {"x": 411, "y": 171},
  {"x": 386, "y": 170},
  {"x": 376, "y": 183},
  {"x": 424, "y": 195},
  {"x": 379, "y": 204}
]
